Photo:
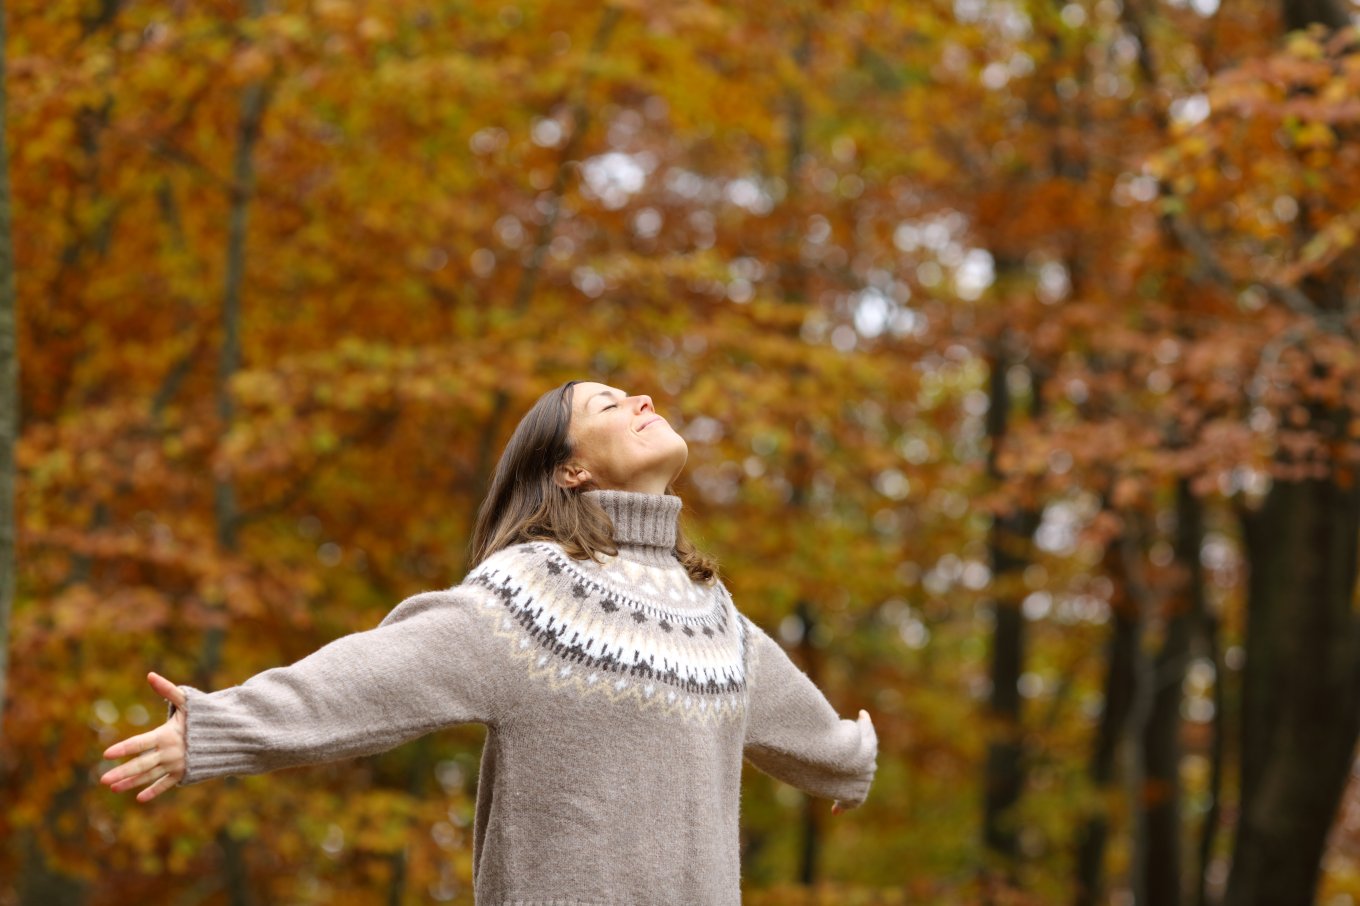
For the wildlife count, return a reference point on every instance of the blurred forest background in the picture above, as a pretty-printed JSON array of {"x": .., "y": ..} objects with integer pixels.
[{"x": 1015, "y": 342}]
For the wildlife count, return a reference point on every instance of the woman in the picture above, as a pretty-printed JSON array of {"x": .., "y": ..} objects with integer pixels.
[{"x": 619, "y": 685}]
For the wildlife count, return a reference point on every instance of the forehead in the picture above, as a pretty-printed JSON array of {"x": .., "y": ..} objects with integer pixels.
[{"x": 584, "y": 392}]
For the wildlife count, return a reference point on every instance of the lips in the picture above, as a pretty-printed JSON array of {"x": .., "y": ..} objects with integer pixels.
[{"x": 650, "y": 422}]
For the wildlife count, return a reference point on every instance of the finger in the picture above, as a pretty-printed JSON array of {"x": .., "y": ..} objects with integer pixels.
[
  {"x": 151, "y": 775},
  {"x": 160, "y": 786},
  {"x": 139, "y": 765},
  {"x": 133, "y": 745},
  {"x": 166, "y": 689},
  {"x": 867, "y": 725}
]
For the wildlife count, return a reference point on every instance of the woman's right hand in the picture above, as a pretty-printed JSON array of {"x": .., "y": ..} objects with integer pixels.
[
  {"x": 159, "y": 756},
  {"x": 866, "y": 725}
]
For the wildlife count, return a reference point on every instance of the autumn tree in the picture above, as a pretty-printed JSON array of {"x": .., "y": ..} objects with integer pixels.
[{"x": 1301, "y": 695}]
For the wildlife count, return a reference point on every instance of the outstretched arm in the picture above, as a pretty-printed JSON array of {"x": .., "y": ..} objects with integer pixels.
[
  {"x": 159, "y": 755},
  {"x": 422, "y": 669},
  {"x": 794, "y": 735}
]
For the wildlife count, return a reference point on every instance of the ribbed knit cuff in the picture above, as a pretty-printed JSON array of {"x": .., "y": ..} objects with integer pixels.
[
  {"x": 215, "y": 739},
  {"x": 643, "y": 519},
  {"x": 866, "y": 758}
]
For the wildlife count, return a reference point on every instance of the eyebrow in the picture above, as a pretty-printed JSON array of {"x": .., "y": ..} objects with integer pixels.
[{"x": 608, "y": 393}]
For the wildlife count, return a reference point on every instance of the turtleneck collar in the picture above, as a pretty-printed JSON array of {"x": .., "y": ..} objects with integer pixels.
[{"x": 644, "y": 524}]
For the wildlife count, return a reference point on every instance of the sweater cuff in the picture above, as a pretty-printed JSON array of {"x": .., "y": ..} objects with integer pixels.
[
  {"x": 212, "y": 744},
  {"x": 857, "y": 788}
]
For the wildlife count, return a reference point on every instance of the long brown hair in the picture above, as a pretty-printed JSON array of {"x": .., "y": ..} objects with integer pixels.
[{"x": 524, "y": 503}]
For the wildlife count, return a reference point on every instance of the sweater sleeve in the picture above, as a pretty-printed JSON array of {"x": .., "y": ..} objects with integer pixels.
[
  {"x": 794, "y": 735},
  {"x": 419, "y": 670}
]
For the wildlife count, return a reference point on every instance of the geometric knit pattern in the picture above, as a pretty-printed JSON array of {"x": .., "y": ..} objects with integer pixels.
[{"x": 626, "y": 630}]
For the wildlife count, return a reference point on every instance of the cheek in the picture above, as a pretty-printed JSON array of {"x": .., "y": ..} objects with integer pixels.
[{"x": 594, "y": 446}]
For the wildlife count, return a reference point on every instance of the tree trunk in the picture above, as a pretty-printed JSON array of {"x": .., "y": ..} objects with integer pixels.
[
  {"x": 813, "y": 811},
  {"x": 1161, "y": 737},
  {"x": 229, "y": 359},
  {"x": 1209, "y": 633},
  {"x": 1301, "y": 684},
  {"x": 236, "y": 877},
  {"x": 1008, "y": 543},
  {"x": 793, "y": 284},
  {"x": 1114, "y": 717},
  {"x": 9, "y": 390},
  {"x": 1005, "y": 775}
]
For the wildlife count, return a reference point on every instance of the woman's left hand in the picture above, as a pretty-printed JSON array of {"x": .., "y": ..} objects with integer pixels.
[{"x": 159, "y": 761}]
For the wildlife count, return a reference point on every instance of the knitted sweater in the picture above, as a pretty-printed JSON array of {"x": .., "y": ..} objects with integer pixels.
[{"x": 619, "y": 699}]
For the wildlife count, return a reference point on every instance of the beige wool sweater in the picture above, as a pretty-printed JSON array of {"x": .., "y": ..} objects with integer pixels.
[{"x": 619, "y": 699}]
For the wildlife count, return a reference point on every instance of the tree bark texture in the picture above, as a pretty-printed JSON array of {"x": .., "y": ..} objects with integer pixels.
[{"x": 1301, "y": 685}]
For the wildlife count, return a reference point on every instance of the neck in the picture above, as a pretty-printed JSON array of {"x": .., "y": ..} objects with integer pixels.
[
  {"x": 641, "y": 484},
  {"x": 645, "y": 525}
]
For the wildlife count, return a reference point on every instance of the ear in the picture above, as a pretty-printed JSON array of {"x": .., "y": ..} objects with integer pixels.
[{"x": 571, "y": 475}]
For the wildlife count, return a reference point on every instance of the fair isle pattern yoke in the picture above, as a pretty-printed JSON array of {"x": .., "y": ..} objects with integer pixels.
[{"x": 620, "y": 628}]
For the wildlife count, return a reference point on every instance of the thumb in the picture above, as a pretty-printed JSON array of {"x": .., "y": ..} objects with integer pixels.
[
  {"x": 166, "y": 689},
  {"x": 866, "y": 725}
]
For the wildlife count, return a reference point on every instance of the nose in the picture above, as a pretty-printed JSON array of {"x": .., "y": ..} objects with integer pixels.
[{"x": 645, "y": 403}]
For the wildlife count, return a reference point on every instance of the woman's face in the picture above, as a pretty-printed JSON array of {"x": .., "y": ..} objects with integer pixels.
[{"x": 620, "y": 443}]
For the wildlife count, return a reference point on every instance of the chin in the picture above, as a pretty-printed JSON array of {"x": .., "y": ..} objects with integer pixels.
[{"x": 681, "y": 453}]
